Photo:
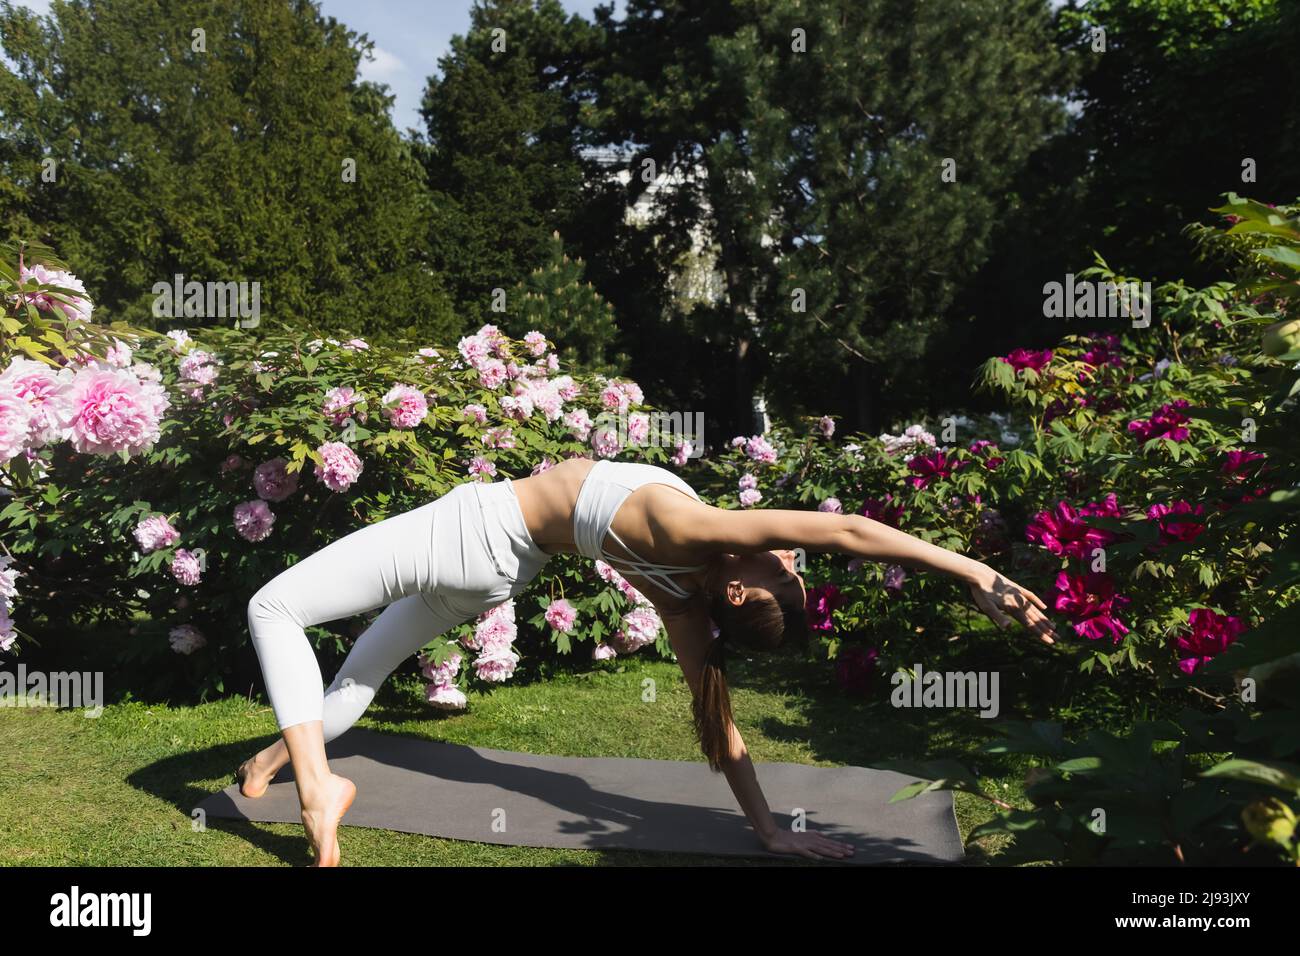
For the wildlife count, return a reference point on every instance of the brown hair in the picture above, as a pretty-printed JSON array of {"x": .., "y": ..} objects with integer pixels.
[{"x": 759, "y": 623}]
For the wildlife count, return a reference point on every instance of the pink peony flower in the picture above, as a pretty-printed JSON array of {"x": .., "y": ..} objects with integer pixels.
[
  {"x": 339, "y": 404},
  {"x": 894, "y": 578},
  {"x": 1090, "y": 600},
  {"x": 640, "y": 627},
  {"x": 536, "y": 343},
  {"x": 826, "y": 425},
  {"x": 444, "y": 673},
  {"x": 758, "y": 449},
  {"x": 75, "y": 303},
  {"x": 603, "y": 652},
  {"x": 747, "y": 481},
  {"x": 16, "y": 421},
  {"x": 39, "y": 386},
  {"x": 831, "y": 506},
  {"x": 341, "y": 466},
  {"x": 186, "y": 639},
  {"x": 496, "y": 664},
  {"x": 1210, "y": 635},
  {"x": 561, "y": 615},
  {"x": 273, "y": 481},
  {"x": 253, "y": 520},
  {"x": 155, "y": 532},
  {"x": 481, "y": 469},
  {"x": 492, "y": 373},
  {"x": 544, "y": 465},
  {"x": 750, "y": 497},
  {"x": 405, "y": 406},
  {"x": 445, "y": 696},
  {"x": 682, "y": 453},
  {"x": 605, "y": 441},
  {"x": 638, "y": 428},
  {"x": 232, "y": 463},
  {"x": 106, "y": 411},
  {"x": 579, "y": 423},
  {"x": 186, "y": 567}
]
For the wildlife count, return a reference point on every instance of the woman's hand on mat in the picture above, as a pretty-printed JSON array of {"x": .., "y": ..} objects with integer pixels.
[
  {"x": 812, "y": 845},
  {"x": 1005, "y": 601}
]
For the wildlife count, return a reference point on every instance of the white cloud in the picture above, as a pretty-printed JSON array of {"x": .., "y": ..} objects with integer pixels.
[{"x": 381, "y": 66}]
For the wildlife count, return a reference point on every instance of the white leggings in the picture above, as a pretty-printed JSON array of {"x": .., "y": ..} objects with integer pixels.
[{"x": 435, "y": 566}]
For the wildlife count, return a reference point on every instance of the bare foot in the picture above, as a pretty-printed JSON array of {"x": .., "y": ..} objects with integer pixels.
[
  {"x": 321, "y": 819},
  {"x": 254, "y": 776}
]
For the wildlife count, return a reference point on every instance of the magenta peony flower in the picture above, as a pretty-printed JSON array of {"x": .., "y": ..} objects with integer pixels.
[
  {"x": 273, "y": 481},
  {"x": 155, "y": 532},
  {"x": 106, "y": 411},
  {"x": 1021, "y": 359},
  {"x": 932, "y": 467},
  {"x": 822, "y": 600},
  {"x": 887, "y": 510},
  {"x": 253, "y": 519},
  {"x": 1108, "y": 507},
  {"x": 405, "y": 406},
  {"x": 1239, "y": 465},
  {"x": 989, "y": 452},
  {"x": 1167, "y": 422},
  {"x": 185, "y": 567},
  {"x": 186, "y": 639},
  {"x": 1176, "y": 522},
  {"x": 855, "y": 667},
  {"x": 232, "y": 463},
  {"x": 561, "y": 615},
  {"x": 1062, "y": 532},
  {"x": 1090, "y": 600},
  {"x": 1210, "y": 634},
  {"x": 341, "y": 466}
]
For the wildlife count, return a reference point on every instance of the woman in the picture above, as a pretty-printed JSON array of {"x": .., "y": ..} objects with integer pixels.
[{"x": 479, "y": 545}]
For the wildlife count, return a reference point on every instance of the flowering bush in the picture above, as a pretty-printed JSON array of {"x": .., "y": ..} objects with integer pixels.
[{"x": 249, "y": 452}]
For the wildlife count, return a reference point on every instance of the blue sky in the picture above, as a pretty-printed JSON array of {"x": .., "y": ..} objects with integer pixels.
[{"x": 409, "y": 36}]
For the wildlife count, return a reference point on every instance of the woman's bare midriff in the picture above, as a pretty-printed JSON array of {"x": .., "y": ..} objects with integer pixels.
[{"x": 547, "y": 502}]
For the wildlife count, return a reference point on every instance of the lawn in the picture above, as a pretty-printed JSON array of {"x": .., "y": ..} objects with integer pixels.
[{"x": 118, "y": 789}]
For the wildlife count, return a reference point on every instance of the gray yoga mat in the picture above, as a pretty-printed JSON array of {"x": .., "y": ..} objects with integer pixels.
[{"x": 498, "y": 796}]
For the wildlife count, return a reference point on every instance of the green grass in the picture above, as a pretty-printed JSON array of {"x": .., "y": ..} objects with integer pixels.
[{"x": 118, "y": 789}]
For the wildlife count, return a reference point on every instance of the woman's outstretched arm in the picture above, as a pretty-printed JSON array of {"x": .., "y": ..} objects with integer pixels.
[{"x": 748, "y": 532}]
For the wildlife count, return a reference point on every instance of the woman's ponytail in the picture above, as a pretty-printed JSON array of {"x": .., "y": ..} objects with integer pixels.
[{"x": 712, "y": 706}]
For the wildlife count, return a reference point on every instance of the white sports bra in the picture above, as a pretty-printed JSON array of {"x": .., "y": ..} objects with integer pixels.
[{"x": 603, "y": 491}]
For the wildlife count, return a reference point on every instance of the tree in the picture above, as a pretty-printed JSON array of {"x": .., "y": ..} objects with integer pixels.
[
  {"x": 499, "y": 144},
  {"x": 215, "y": 142}
]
